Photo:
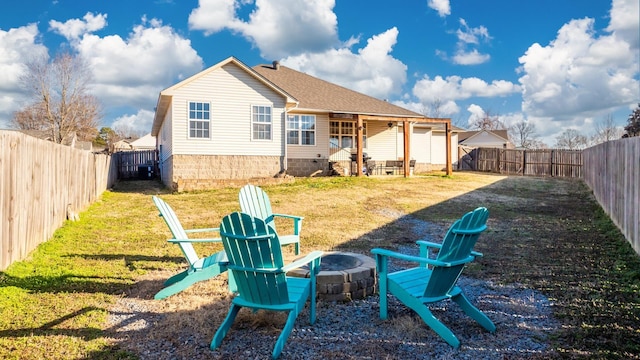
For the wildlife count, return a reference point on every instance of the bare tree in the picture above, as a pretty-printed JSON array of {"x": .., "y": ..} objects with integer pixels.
[
  {"x": 571, "y": 139},
  {"x": 523, "y": 134},
  {"x": 432, "y": 110},
  {"x": 61, "y": 103},
  {"x": 488, "y": 122},
  {"x": 606, "y": 130}
]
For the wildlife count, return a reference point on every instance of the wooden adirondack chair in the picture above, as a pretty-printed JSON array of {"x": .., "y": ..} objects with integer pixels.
[
  {"x": 200, "y": 268},
  {"x": 434, "y": 280},
  {"x": 255, "y": 202},
  {"x": 255, "y": 259}
]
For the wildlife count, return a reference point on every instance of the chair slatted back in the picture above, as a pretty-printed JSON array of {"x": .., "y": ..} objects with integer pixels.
[
  {"x": 170, "y": 218},
  {"x": 255, "y": 258},
  {"x": 255, "y": 202},
  {"x": 457, "y": 245}
]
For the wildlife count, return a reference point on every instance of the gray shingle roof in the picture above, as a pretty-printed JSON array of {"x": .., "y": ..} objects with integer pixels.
[{"x": 316, "y": 94}]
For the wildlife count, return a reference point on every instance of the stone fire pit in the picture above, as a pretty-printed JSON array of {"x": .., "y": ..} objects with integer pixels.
[{"x": 343, "y": 276}]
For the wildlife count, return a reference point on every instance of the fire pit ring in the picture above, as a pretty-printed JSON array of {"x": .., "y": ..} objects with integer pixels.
[{"x": 343, "y": 276}]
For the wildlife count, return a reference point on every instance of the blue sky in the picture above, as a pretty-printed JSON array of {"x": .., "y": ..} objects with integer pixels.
[{"x": 557, "y": 64}]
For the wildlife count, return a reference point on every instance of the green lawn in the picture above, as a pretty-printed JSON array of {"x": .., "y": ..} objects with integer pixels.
[{"x": 548, "y": 234}]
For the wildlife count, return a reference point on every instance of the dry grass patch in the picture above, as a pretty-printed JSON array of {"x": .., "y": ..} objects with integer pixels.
[{"x": 547, "y": 235}]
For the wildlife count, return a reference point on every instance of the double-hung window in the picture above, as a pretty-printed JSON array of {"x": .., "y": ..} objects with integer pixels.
[
  {"x": 199, "y": 120},
  {"x": 301, "y": 130},
  {"x": 261, "y": 122}
]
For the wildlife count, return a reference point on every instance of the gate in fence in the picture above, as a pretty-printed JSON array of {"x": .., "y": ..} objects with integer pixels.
[
  {"x": 142, "y": 165},
  {"x": 541, "y": 162}
]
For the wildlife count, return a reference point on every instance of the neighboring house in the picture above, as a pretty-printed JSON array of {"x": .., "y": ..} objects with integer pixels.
[
  {"x": 231, "y": 121},
  {"x": 71, "y": 139},
  {"x": 121, "y": 145},
  {"x": 147, "y": 142},
  {"x": 485, "y": 138}
]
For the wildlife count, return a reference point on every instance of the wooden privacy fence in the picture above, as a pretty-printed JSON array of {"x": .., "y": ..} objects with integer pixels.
[
  {"x": 612, "y": 171},
  {"x": 544, "y": 162},
  {"x": 39, "y": 180},
  {"x": 141, "y": 164}
]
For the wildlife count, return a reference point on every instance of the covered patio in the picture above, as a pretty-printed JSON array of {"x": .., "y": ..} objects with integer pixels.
[{"x": 353, "y": 157}]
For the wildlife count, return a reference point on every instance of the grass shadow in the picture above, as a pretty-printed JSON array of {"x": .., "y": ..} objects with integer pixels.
[{"x": 548, "y": 247}]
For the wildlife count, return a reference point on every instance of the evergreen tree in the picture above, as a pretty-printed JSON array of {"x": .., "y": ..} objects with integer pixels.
[{"x": 633, "y": 127}]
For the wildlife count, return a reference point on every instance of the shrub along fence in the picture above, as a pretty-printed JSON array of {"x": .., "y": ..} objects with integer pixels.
[
  {"x": 40, "y": 182},
  {"x": 612, "y": 171},
  {"x": 544, "y": 162}
]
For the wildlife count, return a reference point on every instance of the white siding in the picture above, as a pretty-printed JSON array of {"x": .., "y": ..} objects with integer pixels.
[
  {"x": 165, "y": 146},
  {"x": 421, "y": 145},
  {"x": 322, "y": 140},
  {"x": 231, "y": 92},
  {"x": 165, "y": 137},
  {"x": 381, "y": 141},
  {"x": 438, "y": 148},
  {"x": 484, "y": 139}
]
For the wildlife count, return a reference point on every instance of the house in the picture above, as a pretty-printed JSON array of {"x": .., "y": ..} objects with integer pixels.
[
  {"x": 70, "y": 139},
  {"x": 147, "y": 142},
  {"x": 485, "y": 138},
  {"x": 121, "y": 145},
  {"x": 234, "y": 122}
]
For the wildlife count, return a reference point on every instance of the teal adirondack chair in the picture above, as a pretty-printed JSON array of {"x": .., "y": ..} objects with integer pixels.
[
  {"x": 434, "y": 280},
  {"x": 255, "y": 259},
  {"x": 255, "y": 202},
  {"x": 200, "y": 268}
]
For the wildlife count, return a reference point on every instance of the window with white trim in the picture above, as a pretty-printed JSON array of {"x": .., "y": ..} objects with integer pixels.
[
  {"x": 301, "y": 130},
  {"x": 199, "y": 120},
  {"x": 261, "y": 122},
  {"x": 342, "y": 134}
]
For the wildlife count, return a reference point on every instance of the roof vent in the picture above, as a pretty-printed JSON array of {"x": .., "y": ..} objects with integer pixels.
[{"x": 276, "y": 64}]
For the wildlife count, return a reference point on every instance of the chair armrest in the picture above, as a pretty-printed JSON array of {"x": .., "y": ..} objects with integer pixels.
[
  {"x": 202, "y": 230},
  {"x": 425, "y": 248},
  {"x": 304, "y": 261},
  {"x": 429, "y": 244},
  {"x": 470, "y": 231},
  {"x": 311, "y": 257},
  {"x": 297, "y": 222},
  {"x": 208, "y": 240},
  {"x": 383, "y": 253},
  {"x": 294, "y": 217}
]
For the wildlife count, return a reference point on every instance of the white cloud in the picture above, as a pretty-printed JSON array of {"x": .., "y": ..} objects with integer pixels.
[
  {"x": 138, "y": 124},
  {"x": 372, "y": 70},
  {"x": 470, "y": 58},
  {"x": 443, "y": 7},
  {"x": 18, "y": 46},
  {"x": 278, "y": 28},
  {"x": 580, "y": 73},
  {"x": 443, "y": 109},
  {"x": 624, "y": 21},
  {"x": 469, "y": 35},
  {"x": 132, "y": 71},
  {"x": 73, "y": 29},
  {"x": 212, "y": 16},
  {"x": 458, "y": 88}
]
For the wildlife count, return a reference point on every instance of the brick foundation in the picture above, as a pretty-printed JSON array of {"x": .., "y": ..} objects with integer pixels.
[
  {"x": 307, "y": 167},
  {"x": 200, "y": 172}
]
